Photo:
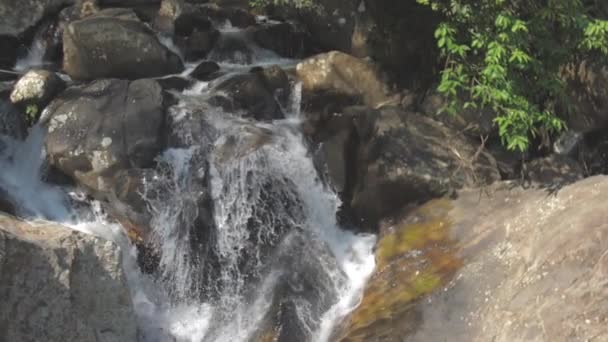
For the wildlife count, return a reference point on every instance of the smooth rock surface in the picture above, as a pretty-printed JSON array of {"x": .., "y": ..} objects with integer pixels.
[
  {"x": 342, "y": 74},
  {"x": 113, "y": 47},
  {"x": 61, "y": 285},
  {"x": 501, "y": 264}
]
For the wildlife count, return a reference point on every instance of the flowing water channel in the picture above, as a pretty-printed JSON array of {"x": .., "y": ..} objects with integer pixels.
[{"x": 270, "y": 249}]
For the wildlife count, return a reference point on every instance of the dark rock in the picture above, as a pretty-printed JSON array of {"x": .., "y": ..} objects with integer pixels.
[
  {"x": 342, "y": 74},
  {"x": 398, "y": 35},
  {"x": 100, "y": 46},
  {"x": 384, "y": 159},
  {"x": 17, "y": 19},
  {"x": 302, "y": 294},
  {"x": 205, "y": 71},
  {"x": 187, "y": 23},
  {"x": 174, "y": 83},
  {"x": 553, "y": 171},
  {"x": 472, "y": 122},
  {"x": 37, "y": 87},
  {"x": 238, "y": 17},
  {"x": 198, "y": 44},
  {"x": 96, "y": 130},
  {"x": 7, "y": 206},
  {"x": 259, "y": 94},
  {"x": 232, "y": 47},
  {"x": 284, "y": 38},
  {"x": 12, "y": 121},
  {"x": 586, "y": 105}
]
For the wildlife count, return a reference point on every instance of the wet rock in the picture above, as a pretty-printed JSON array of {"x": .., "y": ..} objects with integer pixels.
[
  {"x": 128, "y": 200},
  {"x": 259, "y": 93},
  {"x": 174, "y": 83},
  {"x": 61, "y": 285},
  {"x": 195, "y": 35},
  {"x": 414, "y": 257},
  {"x": 284, "y": 38},
  {"x": 205, "y": 71},
  {"x": 12, "y": 121},
  {"x": 342, "y": 74},
  {"x": 338, "y": 136},
  {"x": 37, "y": 87},
  {"x": 237, "y": 17},
  {"x": 453, "y": 269},
  {"x": 100, "y": 46},
  {"x": 302, "y": 293},
  {"x": 98, "y": 129},
  {"x": 232, "y": 47},
  {"x": 405, "y": 157}
]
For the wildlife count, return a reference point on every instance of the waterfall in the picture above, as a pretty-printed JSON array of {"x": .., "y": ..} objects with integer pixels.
[{"x": 245, "y": 229}]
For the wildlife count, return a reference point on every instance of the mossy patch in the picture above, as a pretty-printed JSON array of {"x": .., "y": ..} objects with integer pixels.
[{"x": 414, "y": 258}]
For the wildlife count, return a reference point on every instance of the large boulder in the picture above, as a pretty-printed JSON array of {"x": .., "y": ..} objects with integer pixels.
[
  {"x": 342, "y": 74},
  {"x": 98, "y": 129},
  {"x": 61, "y": 285},
  {"x": 113, "y": 47},
  {"x": 505, "y": 265},
  {"x": 397, "y": 158}
]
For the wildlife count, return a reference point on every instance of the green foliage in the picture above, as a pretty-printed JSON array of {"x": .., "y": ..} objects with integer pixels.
[
  {"x": 507, "y": 56},
  {"x": 31, "y": 114}
]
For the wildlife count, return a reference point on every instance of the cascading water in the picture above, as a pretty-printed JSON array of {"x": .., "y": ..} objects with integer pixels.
[{"x": 245, "y": 230}]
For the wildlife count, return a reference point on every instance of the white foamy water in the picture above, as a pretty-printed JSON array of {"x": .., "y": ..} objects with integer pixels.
[{"x": 272, "y": 231}]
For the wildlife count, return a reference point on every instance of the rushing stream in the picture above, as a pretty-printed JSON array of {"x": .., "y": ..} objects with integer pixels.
[{"x": 270, "y": 247}]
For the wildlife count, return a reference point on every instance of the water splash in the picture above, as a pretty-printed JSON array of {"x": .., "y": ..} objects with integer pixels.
[{"x": 269, "y": 235}]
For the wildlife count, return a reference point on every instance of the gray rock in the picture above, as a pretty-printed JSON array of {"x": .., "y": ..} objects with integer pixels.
[
  {"x": 101, "y": 46},
  {"x": 37, "y": 87},
  {"x": 109, "y": 125},
  {"x": 506, "y": 265},
  {"x": 61, "y": 285}
]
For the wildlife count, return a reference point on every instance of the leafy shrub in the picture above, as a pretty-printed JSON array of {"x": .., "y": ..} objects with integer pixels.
[{"x": 507, "y": 55}]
